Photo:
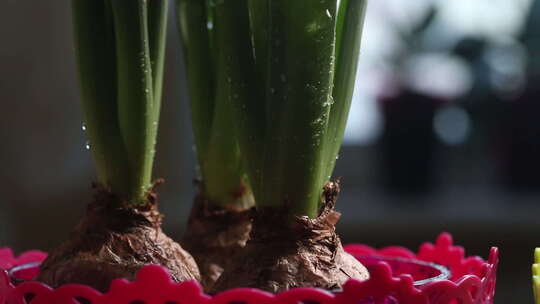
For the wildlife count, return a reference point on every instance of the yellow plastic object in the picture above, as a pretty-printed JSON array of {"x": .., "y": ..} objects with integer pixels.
[{"x": 536, "y": 275}]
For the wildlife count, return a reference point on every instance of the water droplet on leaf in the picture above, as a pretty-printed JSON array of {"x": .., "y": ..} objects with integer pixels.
[{"x": 328, "y": 14}]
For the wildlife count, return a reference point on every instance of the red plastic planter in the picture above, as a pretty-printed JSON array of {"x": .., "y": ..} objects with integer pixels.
[
  {"x": 395, "y": 279},
  {"x": 8, "y": 259}
]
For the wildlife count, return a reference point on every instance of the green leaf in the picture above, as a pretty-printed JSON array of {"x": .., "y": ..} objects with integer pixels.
[
  {"x": 193, "y": 25},
  {"x": 135, "y": 95},
  {"x": 157, "y": 32},
  {"x": 298, "y": 97},
  {"x": 213, "y": 121},
  {"x": 349, "y": 35},
  {"x": 120, "y": 54},
  {"x": 275, "y": 64},
  {"x": 236, "y": 65},
  {"x": 96, "y": 59}
]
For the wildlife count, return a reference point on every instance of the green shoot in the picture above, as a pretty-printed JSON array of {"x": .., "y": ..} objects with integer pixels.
[
  {"x": 120, "y": 47},
  {"x": 298, "y": 96},
  {"x": 213, "y": 122},
  {"x": 348, "y": 38},
  {"x": 286, "y": 70}
]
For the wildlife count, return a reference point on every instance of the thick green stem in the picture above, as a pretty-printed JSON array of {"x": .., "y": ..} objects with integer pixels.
[
  {"x": 222, "y": 168},
  {"x": 193, "y": 25},
  {"x": 236, "y": 54},
  {"x": 233, "y": 37},
  {"x": 157, "y": 32},
  {"x": 279, "y": 60},
  {"x": 349, "y": 36},
  {"x": 259, "y": 17},
  {"x": 96, "y": 59},
  {"x": 300, "y": 74},
  {"x": 221, "y": 165},
  {"x": 136, "y": 108},
  {"x": 121, "y": 49},
  {"x": 260, "y": 22}
]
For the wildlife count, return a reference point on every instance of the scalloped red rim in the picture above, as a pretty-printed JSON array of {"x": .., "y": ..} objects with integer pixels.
[{"x": 473, "y": 281}]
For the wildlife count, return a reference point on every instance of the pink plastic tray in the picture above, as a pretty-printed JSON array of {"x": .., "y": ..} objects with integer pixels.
[{"x": 395, "y": 279}]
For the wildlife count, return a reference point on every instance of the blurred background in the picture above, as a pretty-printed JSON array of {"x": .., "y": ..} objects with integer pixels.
[{"x": 444, "y": 133}]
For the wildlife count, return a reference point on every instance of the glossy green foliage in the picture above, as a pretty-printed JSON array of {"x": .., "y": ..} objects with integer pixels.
[
  {"x": 120, "y": 54},
  {"x": 220, "y": 162},
  {"x": 286, "y": 69}
]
